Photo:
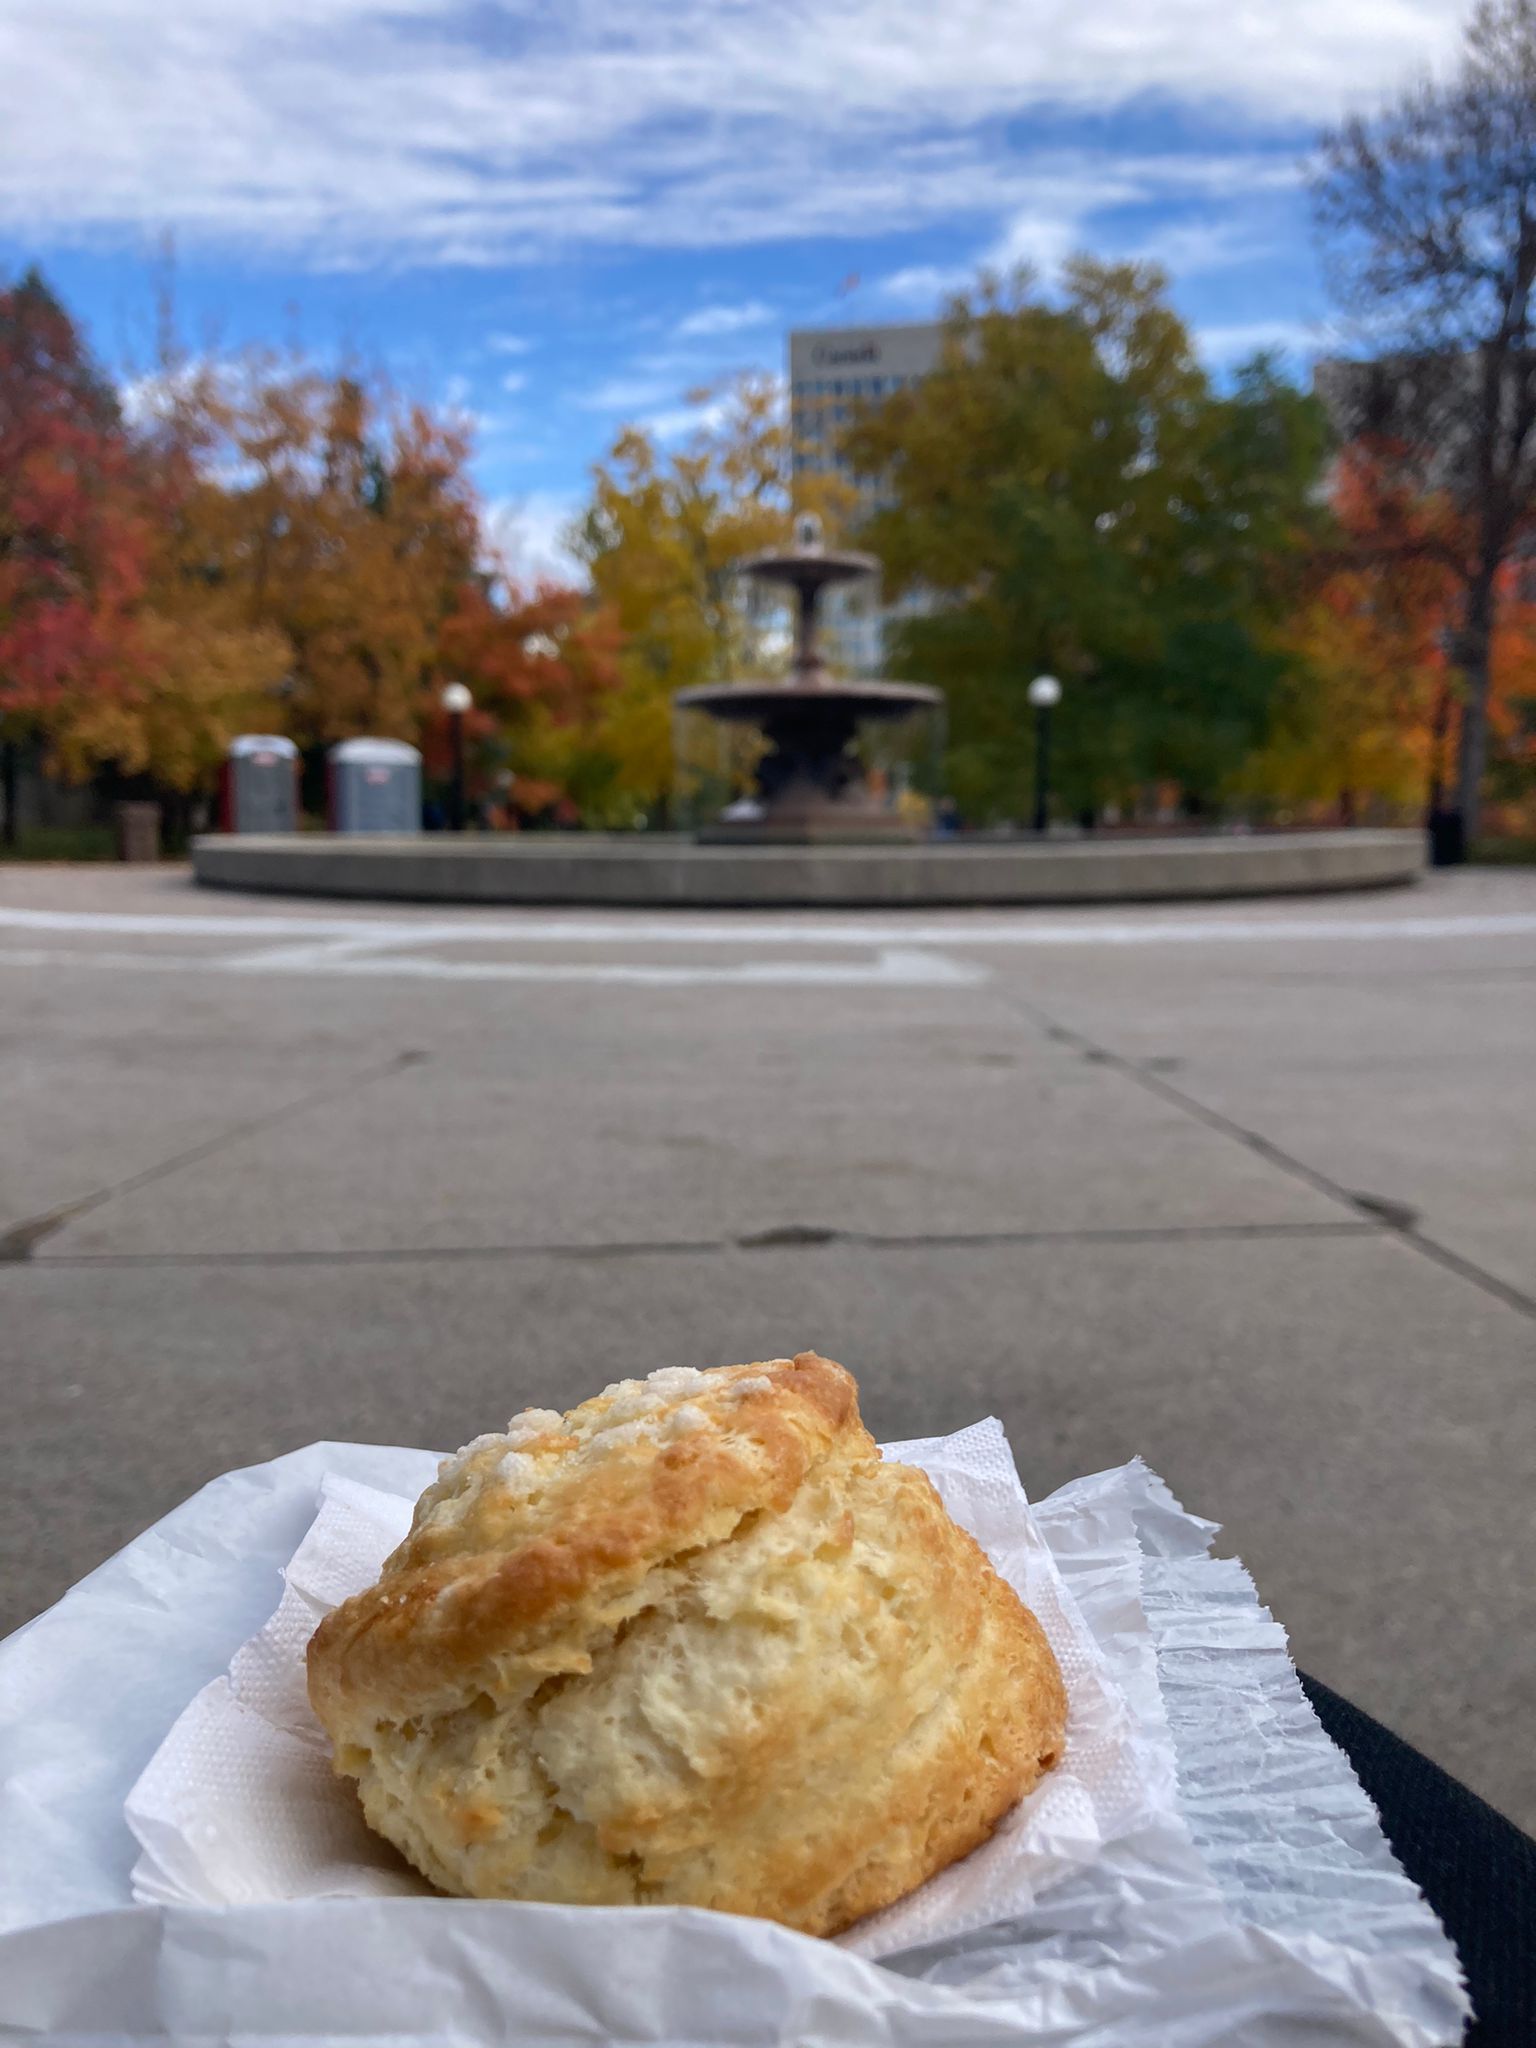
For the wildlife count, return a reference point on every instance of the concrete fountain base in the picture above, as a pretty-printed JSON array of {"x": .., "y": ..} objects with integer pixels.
[{"x": 670, "y": 871}]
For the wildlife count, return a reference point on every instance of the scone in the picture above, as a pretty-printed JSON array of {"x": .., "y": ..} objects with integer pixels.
[{"x": 692, "y": 1643}]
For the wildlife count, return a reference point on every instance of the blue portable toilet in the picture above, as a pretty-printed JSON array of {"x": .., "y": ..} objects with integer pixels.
[
  {"x": 260, "y": 785},
  {"x": 375, "y": 786}
]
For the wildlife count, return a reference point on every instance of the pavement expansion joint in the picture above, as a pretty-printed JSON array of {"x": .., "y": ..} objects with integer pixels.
[
  {"x": 1396, "y": 1218},
  {"x": 18, "y": 1244},
  {"x": 790, "y": 1237}
]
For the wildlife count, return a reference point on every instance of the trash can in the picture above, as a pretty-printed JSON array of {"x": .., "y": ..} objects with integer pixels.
[
  {"x": 138, "y": 831},
  {"x": 375, "y": 786},
  {"x": 1447, "y": 839},
  {"x": 260, "y": 790}
]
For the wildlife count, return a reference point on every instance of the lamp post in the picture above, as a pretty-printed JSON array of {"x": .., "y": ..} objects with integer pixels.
[
  {"x": 456, "y": 701},
  {"x": 1044, "y": 694},
  {"x": 1447, "y": 836}
]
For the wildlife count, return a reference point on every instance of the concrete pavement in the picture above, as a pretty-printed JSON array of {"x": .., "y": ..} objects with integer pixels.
[{"x": 1250, "y": 1190}]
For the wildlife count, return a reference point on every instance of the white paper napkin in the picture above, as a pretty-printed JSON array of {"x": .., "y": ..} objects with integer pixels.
[
  {"x": 239, "y": 1806},
  {"x": 1208, "y": 1924}
]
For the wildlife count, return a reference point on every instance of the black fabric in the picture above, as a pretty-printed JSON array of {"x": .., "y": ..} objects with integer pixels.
[{"x": 1475, "y": 1868}]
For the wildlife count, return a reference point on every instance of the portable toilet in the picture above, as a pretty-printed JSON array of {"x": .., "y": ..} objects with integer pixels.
[
  {"x": 259, "y": 791},
  {"x": 375, "y": 786}
]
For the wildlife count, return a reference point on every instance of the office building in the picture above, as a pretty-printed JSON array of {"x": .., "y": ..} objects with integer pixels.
[{"x": 831, "y": 370}]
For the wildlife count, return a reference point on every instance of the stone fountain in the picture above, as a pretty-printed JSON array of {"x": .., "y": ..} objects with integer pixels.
[
  {"x": 811, "y": 785},
  {"x": 817, "y": 838}
]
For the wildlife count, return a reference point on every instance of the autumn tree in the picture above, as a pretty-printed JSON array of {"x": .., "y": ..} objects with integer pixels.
[
  {"x": 1364, "y": 709},
  {"x": 1071, "y": 494},
  {"x": 204, "y": 670},
  {"x": 1430, "y": 210},
  {"x": 325, "y": 511},
  {"x": 543, "y": 666},
  {"x": 662, "y": 539},
  {"x": 265, "y": 543},
  {"x": 73, "y": 540},
  {"x": 324, "y": 515}
]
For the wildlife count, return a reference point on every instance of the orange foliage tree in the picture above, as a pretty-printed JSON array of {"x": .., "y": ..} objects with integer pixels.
[
  {"x": 340, "y": 521},
  {"x": 542, "y": 666},
  {"x": 1372, "y": 706},
  {"x": 1367, "y": 687},
  {"x": 263, "y": 545}
]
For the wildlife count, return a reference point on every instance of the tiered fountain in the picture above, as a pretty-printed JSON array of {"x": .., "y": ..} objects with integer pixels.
[{"x": 811, "y": 785}]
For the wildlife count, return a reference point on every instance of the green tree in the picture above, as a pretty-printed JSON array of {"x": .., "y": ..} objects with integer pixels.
[{"x": 1073, "y": 495}]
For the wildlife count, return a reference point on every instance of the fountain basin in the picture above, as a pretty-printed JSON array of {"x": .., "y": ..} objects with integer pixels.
[{"x": 663, "y": 870}]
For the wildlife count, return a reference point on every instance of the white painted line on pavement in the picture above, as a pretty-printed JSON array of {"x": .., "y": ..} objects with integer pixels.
[
  {"x": 323, "y": 952},
  {"x": 159, "y": 924},
  {"x": 1026, "y": 929},
  {"x": 892, "y": 967}
]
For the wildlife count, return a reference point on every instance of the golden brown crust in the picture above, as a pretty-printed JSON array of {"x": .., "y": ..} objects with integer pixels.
[
  {"x": 452, "y": 1594},
  {"x": 693, "y": 1641}
]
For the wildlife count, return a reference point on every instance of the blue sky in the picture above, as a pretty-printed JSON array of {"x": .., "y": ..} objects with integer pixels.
[{"x": 561, "y": 214}]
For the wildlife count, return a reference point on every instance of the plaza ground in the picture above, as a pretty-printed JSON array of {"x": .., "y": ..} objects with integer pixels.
[{"x": 1250, "y": 1190}]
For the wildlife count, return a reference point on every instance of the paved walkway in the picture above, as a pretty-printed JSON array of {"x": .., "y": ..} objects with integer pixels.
[{"x": 1251, "y": 1190}]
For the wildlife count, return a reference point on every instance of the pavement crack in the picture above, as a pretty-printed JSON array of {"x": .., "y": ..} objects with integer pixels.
[
  {"x": 1395, "y": 1215},
  {"x": 1395, "y": 1218},
  {"x": 19, "y": 1243},
  {"x": 21, "y": 1240},
  {"x": 787, "y": 1234}
]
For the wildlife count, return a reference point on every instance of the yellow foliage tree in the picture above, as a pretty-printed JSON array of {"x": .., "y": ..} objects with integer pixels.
[
  {"x": 198, "y": 683},
  {"x": 662, "y": 538}
]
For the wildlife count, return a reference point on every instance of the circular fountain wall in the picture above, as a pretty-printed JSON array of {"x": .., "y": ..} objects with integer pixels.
[{"x": 663, "y": 871}]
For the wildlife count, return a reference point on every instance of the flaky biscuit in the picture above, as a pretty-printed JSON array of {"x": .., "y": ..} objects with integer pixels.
[{"x": 692, "y": 1643}]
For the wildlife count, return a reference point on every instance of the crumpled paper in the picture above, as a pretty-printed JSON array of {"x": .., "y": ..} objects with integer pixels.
[
  {"x": 239, "y": 1806},
  {"x": 1202, "y": 1925}
]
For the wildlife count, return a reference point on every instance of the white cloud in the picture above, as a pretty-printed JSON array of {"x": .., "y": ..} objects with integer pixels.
[
  {"x": 1184, "y": 248},
  {"x": 632, "y": 391},
  {"x": 1078, "y": 201},
  {"x": 347, "y": 131},
  {"x": 677, "y": 422},
  {"x": 925, "y": 285},
  {"x": 514, "y": 380},
  {"x": 508, "y": 344},
  {"x": 150, "y": 396},
  {"x": 527, "y": 536},
  {"x": 718, "y": 320},
  {"x": 1231, "y": 344}
]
